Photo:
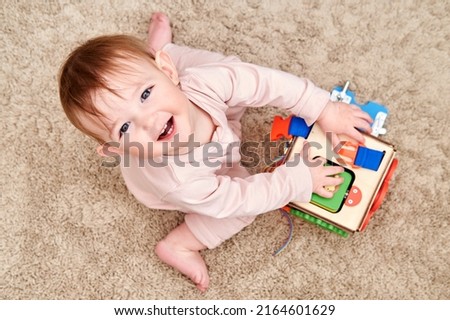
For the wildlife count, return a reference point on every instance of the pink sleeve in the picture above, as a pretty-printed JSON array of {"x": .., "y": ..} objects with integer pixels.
[
  {"x": 186, "y": 57},
  {"x": 224, "y": 196},
  {"x": 249, "y": 85}
]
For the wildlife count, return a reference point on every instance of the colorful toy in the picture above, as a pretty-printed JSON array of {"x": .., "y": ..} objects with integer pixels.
[
  {"x": 368, "y": 170},
  {"x": 376, "y": 111},
  {"x": 335, "y": 203}
]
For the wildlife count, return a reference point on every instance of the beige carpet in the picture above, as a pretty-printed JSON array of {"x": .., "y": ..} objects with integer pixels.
[{"x": 70, "y": 230}]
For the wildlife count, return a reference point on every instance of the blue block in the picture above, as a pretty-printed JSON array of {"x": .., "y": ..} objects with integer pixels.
[
  {"x": 368, "y": 158},
  {"x": 299, "y": 128}
]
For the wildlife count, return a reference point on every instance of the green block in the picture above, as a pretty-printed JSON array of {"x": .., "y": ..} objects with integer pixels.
[
  {"x": 335, "y": 203},
  {"x": 318, "y": 222}
]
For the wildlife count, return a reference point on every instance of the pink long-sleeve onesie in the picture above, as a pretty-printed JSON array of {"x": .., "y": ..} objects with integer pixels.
[{"x": 219, "y": 196}]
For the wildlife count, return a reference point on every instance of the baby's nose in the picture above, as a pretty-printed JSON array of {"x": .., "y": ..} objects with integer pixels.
[{"x": 146, "y": 120}]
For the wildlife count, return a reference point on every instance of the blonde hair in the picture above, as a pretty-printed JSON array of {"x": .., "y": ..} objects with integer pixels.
[{"x": 85, "y": 71}]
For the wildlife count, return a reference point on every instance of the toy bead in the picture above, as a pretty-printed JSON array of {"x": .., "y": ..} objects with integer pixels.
[
  {"x": 291, "y": 126},
  {"x": 280, "y": 128},
  {"x": 299, "y": 128},
  {"x": 360, "y": 156},
  {"x": 368, "y": 158}
]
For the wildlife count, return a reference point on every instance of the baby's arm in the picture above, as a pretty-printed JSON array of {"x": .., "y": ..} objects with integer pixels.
[
  {"x": 185, "y": 57},
  {"x": 248, "y": 85},
  {"x": 223, "y": 196},
  {"x": 239, "y": 84}
]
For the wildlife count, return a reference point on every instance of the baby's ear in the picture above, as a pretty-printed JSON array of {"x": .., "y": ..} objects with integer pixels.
[
  {"x": 166, "y": 65},
  {"x": 109, "y": 149}
]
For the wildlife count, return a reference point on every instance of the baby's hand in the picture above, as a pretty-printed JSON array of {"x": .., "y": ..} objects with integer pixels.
[
  {"x": 342, "y": 118},
  {"x": 323, "y": 177}
]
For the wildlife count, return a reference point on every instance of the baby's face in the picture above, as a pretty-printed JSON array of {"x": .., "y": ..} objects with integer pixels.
[{"x": 149, "y": 115}]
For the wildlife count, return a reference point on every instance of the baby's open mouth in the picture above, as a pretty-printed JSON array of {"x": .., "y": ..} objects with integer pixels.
[{"x": 167, "y": 129}]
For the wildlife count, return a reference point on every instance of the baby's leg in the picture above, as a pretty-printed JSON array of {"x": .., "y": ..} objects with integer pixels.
[
  {"x": 180, "y": 249},
  {"x": 211, "y": 231},
  {"x": 159, "y": 32}
]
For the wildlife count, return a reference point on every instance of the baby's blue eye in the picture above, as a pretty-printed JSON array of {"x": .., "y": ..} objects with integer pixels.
[
  {"x": 124, "y": 128},
  {"x": 145, "y": 94}
]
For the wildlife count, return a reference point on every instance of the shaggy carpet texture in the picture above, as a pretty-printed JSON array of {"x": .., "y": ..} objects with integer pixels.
[{"x": 71, "y": 230}]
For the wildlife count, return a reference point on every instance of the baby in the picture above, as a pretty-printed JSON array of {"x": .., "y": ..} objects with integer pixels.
[{"x": 173, "y": 115}]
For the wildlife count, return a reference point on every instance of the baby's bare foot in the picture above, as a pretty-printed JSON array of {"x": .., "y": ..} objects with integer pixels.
[
  {"x": 159, "y": 32},
  {"x": 188, "y": 262}
]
